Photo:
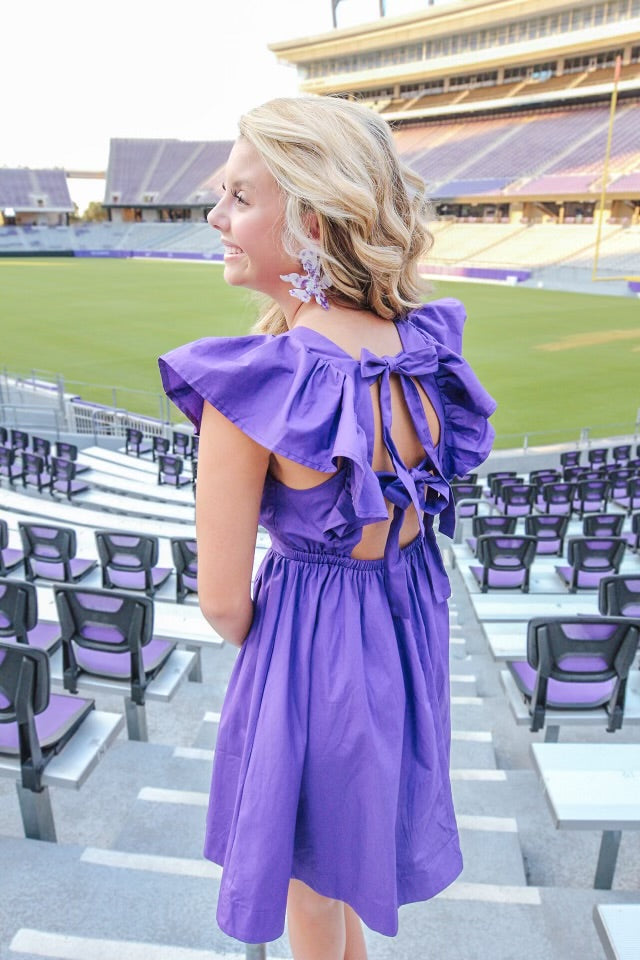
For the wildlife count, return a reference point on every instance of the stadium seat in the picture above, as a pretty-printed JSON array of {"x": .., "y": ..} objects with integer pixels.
[
  {"x": 621, "y": 453},
  {"x": 19, "y": 440},
  {"x": 603, "y": 525},
  {"x": 180, "y": 443},
  {"x": 466, "y": 491},
  {"x": 597, "y": 455},
  {"x": 516, "y": 499},
  {"x": 10, "y": 557},
  {"x": 590, "y": 559},
  {"x": 9, "y": 469},
  {"x": 590, "y": 496},
  {"x": 185, "y": 557},
  {"x": 631, "y": 497},
  {"x": 576, "y": 663},
  {"x": 170, "y": 470},
  {"x": 69, "y": 451},
  {"x": 35, "y": 472},
  {"x": 570, "y": 458},
  {"x": 42, "y": 447},
  {"x": 159, "y": 445},
  {"x": 19, "y": 617},
  {"x": 63, "y": 478},
  {"x": 129, "y": 561},
  {"x": 618, "y": 482},
  {"x": 35, "y": 726},
  {"x": 619, "y": 596},
  {"x": 50, "y": 553},
  {"x": 493, "y": 523},
  {"x": 506, "y": 561},
  {"x": 134, "y": 442},
  {"x": 549, "y": 531},
  {"x": 109, "y": 635},
  {"x": 556, "y": 498}
]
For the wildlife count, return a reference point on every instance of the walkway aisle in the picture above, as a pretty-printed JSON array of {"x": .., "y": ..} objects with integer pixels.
[{"x": 127, "y": 881}]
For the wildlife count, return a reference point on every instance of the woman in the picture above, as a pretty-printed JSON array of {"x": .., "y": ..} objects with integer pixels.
[{"x": 337, "y": 426}]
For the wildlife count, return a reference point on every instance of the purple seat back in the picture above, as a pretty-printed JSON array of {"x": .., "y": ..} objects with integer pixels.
[
  {"x": 185, "y": 558},
  {"x": 45, "y": 546},
  {"x": 581, "y": 650},
  {"x": 619, "y": 596},
  {"x": 18, "y": 609},
  {"x": 127, "y": 551},
  {"x": 549, "y": 531},
  {"x": 506, "y": 560},
  {"x": 603, "y": 525},
  {"x": 570, "y": 458}
]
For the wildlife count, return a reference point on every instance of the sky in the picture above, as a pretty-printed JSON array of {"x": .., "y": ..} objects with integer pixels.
[{"x": 76, "y": 73}]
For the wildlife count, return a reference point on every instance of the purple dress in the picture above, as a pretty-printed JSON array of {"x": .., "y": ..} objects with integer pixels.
[{"x": 332, "y": 759}]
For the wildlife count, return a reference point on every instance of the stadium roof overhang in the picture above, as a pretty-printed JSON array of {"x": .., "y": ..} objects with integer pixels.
[{"x": 441, "y": 21}]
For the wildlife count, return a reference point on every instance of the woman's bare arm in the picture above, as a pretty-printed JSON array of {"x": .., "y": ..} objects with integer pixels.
[{"x": 231, "y": 474}]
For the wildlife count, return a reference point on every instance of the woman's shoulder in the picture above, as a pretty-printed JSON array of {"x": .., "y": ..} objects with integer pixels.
[
  {"x": 442, "y": 320},
  {"x": 261, "y": 382}
]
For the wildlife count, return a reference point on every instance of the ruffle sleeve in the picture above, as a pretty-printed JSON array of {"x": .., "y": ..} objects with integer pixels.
[
  {"x": 289, "y": 400},
  {"x": 467, "y": 434}
]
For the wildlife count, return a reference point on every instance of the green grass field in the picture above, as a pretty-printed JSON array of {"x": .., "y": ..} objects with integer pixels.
[{"x": 555, "y": 362}]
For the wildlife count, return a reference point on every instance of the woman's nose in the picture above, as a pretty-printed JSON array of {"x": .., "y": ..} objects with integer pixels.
[{"x": 213, "y": 217}]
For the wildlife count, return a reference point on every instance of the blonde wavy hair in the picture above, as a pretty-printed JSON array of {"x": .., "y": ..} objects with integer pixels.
[{"x": 337, "y": 159}]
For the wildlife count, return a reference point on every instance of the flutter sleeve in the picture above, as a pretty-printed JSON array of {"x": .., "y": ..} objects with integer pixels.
[
  {"x": 467, "y": 434},
  {"x": 291, "y": 401}
]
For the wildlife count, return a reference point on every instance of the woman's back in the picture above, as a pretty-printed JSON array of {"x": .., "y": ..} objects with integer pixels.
[{"x": 351, "y": 331}]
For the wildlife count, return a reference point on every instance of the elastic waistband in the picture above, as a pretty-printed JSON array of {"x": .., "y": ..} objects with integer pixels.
[{"x": 337, "y": 560}]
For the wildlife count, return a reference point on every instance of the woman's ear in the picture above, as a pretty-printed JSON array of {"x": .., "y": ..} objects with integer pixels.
[{"x": 312, "y": 225}]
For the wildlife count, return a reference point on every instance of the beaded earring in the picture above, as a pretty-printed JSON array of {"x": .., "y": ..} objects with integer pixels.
[{"x": 310, "y": 284}]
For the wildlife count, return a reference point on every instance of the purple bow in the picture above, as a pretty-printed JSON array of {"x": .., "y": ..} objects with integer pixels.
[{"x": 414, "y": 364}]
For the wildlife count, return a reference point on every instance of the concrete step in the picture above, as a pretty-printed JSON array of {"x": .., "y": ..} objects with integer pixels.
[{"x": 138, "y": 908}]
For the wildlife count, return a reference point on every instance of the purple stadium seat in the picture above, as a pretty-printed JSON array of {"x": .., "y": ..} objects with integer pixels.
[
  {"x": 69, "y": 451},
  {"x": 19, "y": 617},
  {"x": 159, "y": 445},
  {"x": 34, "y": 723},
  {"x": 556, "y": 498},
  {"x": 180, "y": 444},
  {"x": 549, "y": 531},
  {"x": 603, "y": 525},
  {"x": 516, "y": 499},
  {"x": 19, "y": 440},
  {"x": 63, "y": 478},
  {"x": 506, "y": 561},
  {"x": 170, "y": 470},
  {"x": 9, "y": 469},
  {"x": 42, "y": 448},
  {"x": 631, "y": 498},
  {"x": 133, "y": 443},
  {"x": 598, "y": 455},
  {"x": 185, "y": 558},
  {"x": 618, "y": 481},
  {"x": 590, "y": 496},
  {"x": 621, "y": 453},
  {"x": 50, "y": 552},
  {"x": 466, "y": 491},
  {"x": 35, "y": 472},
  {"x": 570, "y": 458},
  {"x": 590, "y": 559},
  {"x": 493, "y": 523},
  {"x": 129, "y": 561},
  {"x": 110, "y": 635},
  {"x": 10, "y": 558},
  {"x": 619, "y": 596},
  {"x": 576, "y": 663}
]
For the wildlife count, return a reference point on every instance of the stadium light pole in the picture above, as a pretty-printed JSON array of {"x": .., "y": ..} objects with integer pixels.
[{"x": 334, "y": 6}]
